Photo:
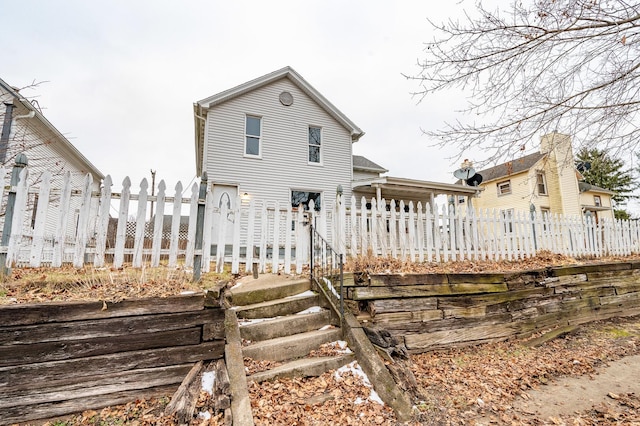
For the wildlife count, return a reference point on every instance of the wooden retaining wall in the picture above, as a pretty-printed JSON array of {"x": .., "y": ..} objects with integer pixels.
[
  {"x": 61, "y": 358},
  {"x": 431, "y": 311}
]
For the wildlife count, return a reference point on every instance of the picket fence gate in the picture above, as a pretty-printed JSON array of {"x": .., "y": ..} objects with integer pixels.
[{"x": 271, "y": 236}]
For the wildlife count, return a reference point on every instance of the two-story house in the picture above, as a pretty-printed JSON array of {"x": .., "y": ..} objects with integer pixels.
[
  {"x": 276, "y": 138},
  {"x": 546, "y": 181}
]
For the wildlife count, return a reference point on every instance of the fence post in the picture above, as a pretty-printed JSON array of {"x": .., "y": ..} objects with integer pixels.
[
  {"x": 311, "y": 252},
  {"x": 532, "y": 212},
  {"x": 21, "y": 163},
  {"x": 197, "y": 258}
]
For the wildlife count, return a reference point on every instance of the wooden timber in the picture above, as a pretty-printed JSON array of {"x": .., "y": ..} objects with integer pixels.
[
  {"x": 61, "y": 358},
  {"x": 438, "y": 310}
]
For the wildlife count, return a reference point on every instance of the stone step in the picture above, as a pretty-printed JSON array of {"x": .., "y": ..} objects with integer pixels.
[
  {"x": 304, "y": 367},
  {"x": 268, "y": 287},
  {"x": 285, "y": 326},
  {"x": 278, "y": 307},
  {"x": 290, "y": 347}
]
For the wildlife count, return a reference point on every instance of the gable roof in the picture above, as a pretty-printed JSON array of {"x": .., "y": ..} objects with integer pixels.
[
  {"x": 66, "y": 147},
  {"x": 200, "y": 108},
  {"x": 364, "y": 164},
  {"x": 512, "y": 167}
]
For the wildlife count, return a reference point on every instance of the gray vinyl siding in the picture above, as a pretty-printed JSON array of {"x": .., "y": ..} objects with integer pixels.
[
  {"x": 362, "y": 175},
  {"x": 284, "y": 163}
]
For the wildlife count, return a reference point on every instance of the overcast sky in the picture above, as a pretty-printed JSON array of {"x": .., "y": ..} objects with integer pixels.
[{"x": 121, "y": 76}]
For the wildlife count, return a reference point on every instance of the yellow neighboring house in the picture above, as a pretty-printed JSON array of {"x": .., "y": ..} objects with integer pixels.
[{"x": 547, "y": 181}]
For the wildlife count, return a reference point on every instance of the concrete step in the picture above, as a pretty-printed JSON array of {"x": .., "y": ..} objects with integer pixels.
[
  {"x": 304, "y": 367},
  {"x": 285, "y": 326},
  {"x": 278, "y": 307},
  {"x": 267, "y": 287},
  {"x": 290, "y": 347}
]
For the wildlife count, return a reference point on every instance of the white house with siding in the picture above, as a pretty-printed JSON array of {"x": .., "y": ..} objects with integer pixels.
[
  {"x": 24, "y": 129},
  {"x": 276, "y": 139}
]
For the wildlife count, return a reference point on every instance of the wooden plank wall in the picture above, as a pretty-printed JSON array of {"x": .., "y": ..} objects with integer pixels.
[
  {"x": 432, "y": 311},
  {"x": 62, "y": 358}
]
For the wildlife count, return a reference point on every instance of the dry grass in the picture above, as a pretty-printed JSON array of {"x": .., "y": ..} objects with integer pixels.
[
  {"x": 37, "y": 285},
  {"x": 544, "y": 259}
]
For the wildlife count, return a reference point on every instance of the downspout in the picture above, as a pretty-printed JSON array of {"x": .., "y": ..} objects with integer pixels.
[
  {"x": 5, "y": 148},
  {"x": 6, "y": 131}
]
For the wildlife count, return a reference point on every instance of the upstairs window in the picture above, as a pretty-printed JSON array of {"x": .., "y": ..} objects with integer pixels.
[
  {"x": 504, "y": 187},
  {"x": 253, "y": 131},
  {"x": 315, "y": 137},
  {"x": 541, "y": 183},
  {"x": 597, "y": 201}
]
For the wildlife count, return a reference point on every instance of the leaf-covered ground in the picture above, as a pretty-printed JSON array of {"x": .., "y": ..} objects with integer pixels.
[
  {"x": 474, "y": 385},
  {"x": 460, "y": 386}
]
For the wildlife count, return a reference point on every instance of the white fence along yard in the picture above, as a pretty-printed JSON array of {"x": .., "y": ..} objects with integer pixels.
[
  {"x": 417, "y": 232},
  {"x": 53, "y": 226}
]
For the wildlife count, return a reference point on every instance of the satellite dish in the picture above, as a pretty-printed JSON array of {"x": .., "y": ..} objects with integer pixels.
[
  {"x": 474, "y": 180},
  {"x": 464, "y": 173}
]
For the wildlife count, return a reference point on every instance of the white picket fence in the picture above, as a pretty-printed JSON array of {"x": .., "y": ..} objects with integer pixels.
[
  {"x": 416, "y": 232},
  {"x": 272, "y": 237},
  {"x": 114, "y": 229}
]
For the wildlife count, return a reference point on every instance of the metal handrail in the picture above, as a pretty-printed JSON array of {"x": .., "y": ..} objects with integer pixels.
[{"x": 326, "y": 268}]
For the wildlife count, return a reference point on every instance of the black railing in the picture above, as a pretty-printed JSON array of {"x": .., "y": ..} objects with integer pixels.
[{"x": 327, "y": 269}]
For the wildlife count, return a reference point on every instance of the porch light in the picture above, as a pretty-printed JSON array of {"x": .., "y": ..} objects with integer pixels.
[
  {"x": 245, "y": 196},
  {"x": 339, "y": 190}
]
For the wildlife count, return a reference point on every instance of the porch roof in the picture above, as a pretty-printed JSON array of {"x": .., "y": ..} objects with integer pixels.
[{"x": 400, "y": 188}]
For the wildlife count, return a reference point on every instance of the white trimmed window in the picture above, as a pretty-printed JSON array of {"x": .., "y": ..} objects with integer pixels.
[
  {"x": 541, "y": 183},
  {"x": 597, "y": 201},
  {"x": 252, "y": 133},
  {"x": 504, "y": 187},
  {"x": 315, "y": 138}
]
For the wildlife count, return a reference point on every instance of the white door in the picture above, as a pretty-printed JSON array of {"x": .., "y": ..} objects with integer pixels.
[{"x": 224, "y": 199}]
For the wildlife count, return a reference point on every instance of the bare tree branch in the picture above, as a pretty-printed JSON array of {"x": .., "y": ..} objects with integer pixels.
[{"x": 541, "y": 65}]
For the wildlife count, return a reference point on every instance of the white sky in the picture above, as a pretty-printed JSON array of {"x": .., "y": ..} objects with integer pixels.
[{"x": 122, "y": 75}]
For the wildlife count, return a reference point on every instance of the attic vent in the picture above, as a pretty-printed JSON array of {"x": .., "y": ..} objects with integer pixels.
[{"x": 286, "y": 98}]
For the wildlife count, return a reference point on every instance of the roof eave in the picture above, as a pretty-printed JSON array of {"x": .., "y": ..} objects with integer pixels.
[{"x": 298, "y": 80}]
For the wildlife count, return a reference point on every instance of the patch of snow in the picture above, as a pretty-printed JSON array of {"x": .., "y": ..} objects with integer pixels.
[
  {"x": 356, "y": 370},
  {"x": 187, "y": 292},
  {"x": 236, "y": 285},
  {"x": 303, "y": 294},
  {"x": 358, "y": 401},
  {"x": 326, "y": 327},
  {"x": 343, "y": 347},
  {"x": 375, "y": 397},
  {"x": 204, "y": 415},
  {"x": 311, "y": 310},
  {"x": 207, "y": 381},
  {"x": 331, "y": 287}
]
